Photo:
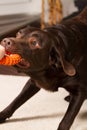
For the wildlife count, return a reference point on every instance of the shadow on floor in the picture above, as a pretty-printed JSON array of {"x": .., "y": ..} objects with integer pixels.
[{"x": 55, "y": 115}]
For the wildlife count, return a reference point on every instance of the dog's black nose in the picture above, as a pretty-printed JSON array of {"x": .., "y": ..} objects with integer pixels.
[{"x": 6, "y": 42}]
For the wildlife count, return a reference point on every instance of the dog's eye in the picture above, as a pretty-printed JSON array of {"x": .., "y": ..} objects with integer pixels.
[{"x": 34, "y": 43}]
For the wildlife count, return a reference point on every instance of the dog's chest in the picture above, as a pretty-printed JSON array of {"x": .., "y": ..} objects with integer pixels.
[
  {"x": 48, "y": 85},
  {"x": 48, "y": 81}
]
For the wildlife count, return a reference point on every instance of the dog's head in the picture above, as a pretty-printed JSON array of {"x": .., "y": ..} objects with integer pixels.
[{"x": 38, "y": 49}]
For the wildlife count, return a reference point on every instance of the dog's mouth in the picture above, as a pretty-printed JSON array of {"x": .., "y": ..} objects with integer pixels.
[{"x": 24, "y": 64}]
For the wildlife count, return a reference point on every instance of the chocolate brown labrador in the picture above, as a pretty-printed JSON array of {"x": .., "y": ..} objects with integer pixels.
[{"x": 54, "y": 57}]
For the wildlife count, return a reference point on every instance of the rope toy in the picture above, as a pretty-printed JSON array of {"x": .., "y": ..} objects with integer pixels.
[
  {"x": 55, "y": 13},
  {"x": 9, "y": 60}
]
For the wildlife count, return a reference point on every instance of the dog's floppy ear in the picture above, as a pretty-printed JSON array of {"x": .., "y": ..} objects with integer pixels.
[{"x": 68, "y": 68}]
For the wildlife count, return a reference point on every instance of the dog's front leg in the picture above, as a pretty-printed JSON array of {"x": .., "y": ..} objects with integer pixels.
[
  {"x": 27, "y": 92},
  {"x": 72, "y": 111}
]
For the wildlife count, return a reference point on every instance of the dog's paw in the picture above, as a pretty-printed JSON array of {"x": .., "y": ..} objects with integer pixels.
[
  {"x": 2, "y": 120},
  {"x": 4, "y": 116}
]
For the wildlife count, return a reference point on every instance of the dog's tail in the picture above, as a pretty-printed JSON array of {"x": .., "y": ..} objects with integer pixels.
[{"x": 83, "y": 16}]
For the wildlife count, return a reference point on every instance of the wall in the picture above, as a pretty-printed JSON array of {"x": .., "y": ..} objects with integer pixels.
[
  {"x": 19, "y": 6},
  {"x": 31, "y": 6}
]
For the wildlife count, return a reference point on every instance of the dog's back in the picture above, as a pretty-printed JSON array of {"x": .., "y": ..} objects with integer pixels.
[
  {"x": 83, "y": 16},
  {"x": 79, "y": 25}
]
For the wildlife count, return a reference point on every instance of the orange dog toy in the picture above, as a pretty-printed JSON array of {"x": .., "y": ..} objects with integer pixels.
[{"x": 11, "y": 59}]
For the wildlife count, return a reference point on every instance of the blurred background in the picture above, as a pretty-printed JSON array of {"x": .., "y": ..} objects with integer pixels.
[{"x": 14, "y": 14}]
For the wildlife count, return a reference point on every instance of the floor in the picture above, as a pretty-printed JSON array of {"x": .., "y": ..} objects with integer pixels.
[{"x": 44, "y": 111}]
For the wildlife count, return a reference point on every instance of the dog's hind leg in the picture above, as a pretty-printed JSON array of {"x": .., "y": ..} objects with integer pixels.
[{"x": 72, "y": 111}]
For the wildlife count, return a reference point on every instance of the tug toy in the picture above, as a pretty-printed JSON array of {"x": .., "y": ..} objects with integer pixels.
[
  {"x": 9, "y": 60},
  {"x": 55, "y": 12}
]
